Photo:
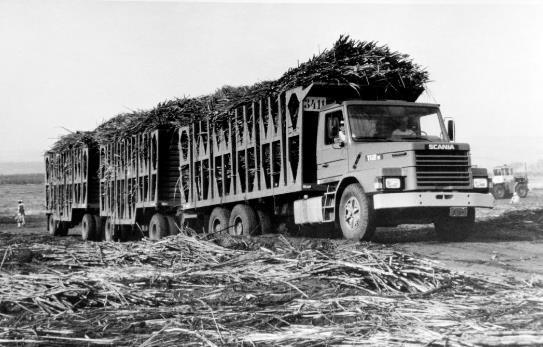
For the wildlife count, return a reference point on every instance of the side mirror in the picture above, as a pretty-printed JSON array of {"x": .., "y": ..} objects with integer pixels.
[
  {"x": 451, "y": 129},
  {"x": 338, "y": 145}
]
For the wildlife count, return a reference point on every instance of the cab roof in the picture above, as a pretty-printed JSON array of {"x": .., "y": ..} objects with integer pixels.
[{"x": 380, "y": 102}]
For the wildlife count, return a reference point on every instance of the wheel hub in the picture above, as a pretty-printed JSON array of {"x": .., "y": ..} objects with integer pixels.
[
  {"x": 352, "y": 213},
  {"x": 238, "y": 227}
]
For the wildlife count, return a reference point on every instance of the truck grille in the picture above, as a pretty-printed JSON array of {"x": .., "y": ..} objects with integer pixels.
[{"x": 444, "y": 169}]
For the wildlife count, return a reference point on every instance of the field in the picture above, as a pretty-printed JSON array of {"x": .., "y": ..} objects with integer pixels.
[{"x": 404, "y": 289}]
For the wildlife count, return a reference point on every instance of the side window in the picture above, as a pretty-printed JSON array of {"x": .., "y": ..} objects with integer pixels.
[{"x": 333, "y": 121}]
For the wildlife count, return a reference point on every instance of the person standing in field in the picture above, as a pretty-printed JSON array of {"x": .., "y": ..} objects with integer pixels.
[{"x": 20, "y": 214}]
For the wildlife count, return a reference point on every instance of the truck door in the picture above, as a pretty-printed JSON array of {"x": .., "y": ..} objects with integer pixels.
[{"x": 331, "y": 145}]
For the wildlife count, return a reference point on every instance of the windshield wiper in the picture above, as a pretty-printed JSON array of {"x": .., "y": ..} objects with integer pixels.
[
  {"x": 371, "y": 139},
  {"x": 414, "y": 138}
]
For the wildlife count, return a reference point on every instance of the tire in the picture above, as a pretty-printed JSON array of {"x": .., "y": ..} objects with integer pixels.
[
  {"x": 52, "y": 226},
  {"x": 356, "y": 216},
  {"x": 522, "y": 190},
  {"x": 173, "y": 228},
  {"x": 454, "y": 229},
  {"x": 158, "y": 227},
  {"x": 243, "y": 221},
  {"x": 88, "y": 227},
  {"x": 99, "y": 228},
  {"x": 109, "y": 230},
  {"x": 264, "y": 221},
  {"x": 219, "y": 220},
  {"x": 498, "y": 191}
]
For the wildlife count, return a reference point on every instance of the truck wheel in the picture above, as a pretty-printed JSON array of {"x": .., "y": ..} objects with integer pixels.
[
  {"x": 243, "y": 221},
  {"x": 453, "y": 229},
  {"x": 218, "y": 220},
  {"x": 264, "y": 221},
  {"x": 158, "y": 227},
  {"x": 173, "y": 228},
  {"x": 52, "y": 225},
  {"x": 88, "y": 227},
  {"x": 498, "y": 191},
  {"x": 109, "y": 230},
  {"x": 99, "y": 228},
  {"x": 522, "y": 190},
  {"x": 356, "y": 217}
]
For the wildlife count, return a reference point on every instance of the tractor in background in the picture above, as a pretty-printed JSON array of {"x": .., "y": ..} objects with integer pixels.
[{"x": 505, "y": 182}]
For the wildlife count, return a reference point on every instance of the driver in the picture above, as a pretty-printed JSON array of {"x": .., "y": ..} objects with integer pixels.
[{"x": 402, "y": 129}]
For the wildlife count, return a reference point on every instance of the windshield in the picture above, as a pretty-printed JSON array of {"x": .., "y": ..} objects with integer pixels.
[{"x": 395, "y": 123}]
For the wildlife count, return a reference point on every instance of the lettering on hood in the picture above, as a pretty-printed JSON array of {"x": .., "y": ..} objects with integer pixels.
[{"x": 447, "y": 146}]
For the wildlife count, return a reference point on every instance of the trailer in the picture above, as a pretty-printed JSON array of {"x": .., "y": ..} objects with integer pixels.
[{"x": 71, "y": 189}]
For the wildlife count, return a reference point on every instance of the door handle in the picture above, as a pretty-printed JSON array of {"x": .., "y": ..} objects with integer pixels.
[{"x": 325, "y": 165}]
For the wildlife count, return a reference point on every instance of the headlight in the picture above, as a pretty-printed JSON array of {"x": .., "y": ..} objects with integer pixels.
[
  {"x": 393, "y": 183},
  {"x": 481, "y": 182}
]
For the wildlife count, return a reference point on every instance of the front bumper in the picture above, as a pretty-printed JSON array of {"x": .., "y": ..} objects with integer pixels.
[{"x": 432, "y": 199}]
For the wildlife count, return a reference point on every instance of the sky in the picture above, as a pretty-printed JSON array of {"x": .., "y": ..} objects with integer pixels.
[{"x": 70, "y": 65}]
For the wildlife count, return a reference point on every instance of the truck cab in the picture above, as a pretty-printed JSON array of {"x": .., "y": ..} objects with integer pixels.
[{"x": 386, "y": 163}]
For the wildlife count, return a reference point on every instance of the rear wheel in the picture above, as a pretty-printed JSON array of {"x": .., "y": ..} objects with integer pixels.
[
  {"x": 52, "y": 225},
  {"x": 99, "y": 228},
  {"x": 522, "y": 190},
  {"x": 109, "y": 230},
  {"x": 264, "y": 221},
  {"x": 158, "y": 227},
  {"x": 243, "y": 221},
  {"x": 88, "y": 227},
  {"x": 173, "y": 228},
  {"x": 218, "y": 220},
  {"x": 498, "y": 191},
  {"x": 356, "y": 217},
  {"x": 455, "y": 228}
]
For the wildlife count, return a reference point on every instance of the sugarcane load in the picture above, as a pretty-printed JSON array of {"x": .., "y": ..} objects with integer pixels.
[{"x": 338, "y": 144}]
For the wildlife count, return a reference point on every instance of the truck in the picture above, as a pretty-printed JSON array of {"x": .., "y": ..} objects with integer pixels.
[
  {"x": 338, "y": 144},
  {"x": 314, "y": 156},
  {"x": 505, "y": 182}
]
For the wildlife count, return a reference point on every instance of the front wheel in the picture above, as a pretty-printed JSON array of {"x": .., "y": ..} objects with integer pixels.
[
  {"x": 498, "y": 191},
  {"x": 522, "y": 190},
  {"x": 356, "y": 216},
  {"x": 453, "y": 229}
]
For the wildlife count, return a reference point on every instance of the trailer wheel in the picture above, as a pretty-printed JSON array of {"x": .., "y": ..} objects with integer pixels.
[
  {"x": 356, "y": 216},
  {"x": 158, "y": 227},
  {"x": 498, "y": 191},
  {"x": 264, "y": 221},
  {"x": 109, "y": 230},
  {"x": 219, "y": 220},
  {"x": 243, "y": 221},
  {"x": 99, "y": 228},
  {"x": 52, "y": 225},
  {"x": 522, "y": 190},
  {"x": 451, "y": 229},
  {"x": 88, "y": 227},
  {"x": 173, "y": 228}
]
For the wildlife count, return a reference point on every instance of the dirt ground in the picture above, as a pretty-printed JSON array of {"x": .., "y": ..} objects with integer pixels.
[{"x": 508, "y": 240}]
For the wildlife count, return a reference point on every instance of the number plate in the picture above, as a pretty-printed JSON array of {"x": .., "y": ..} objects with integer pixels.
[{"x": 458, "y": 212}]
